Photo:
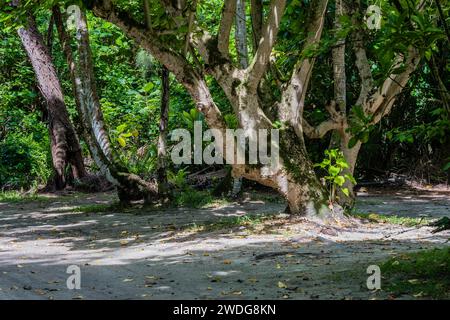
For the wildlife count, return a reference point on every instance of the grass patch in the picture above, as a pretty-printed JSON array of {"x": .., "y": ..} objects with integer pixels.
[
  {"x": 251, "y": 222},
  {"x": 265, "y": 197},
  {"x": 16, "y": 196},
  {"x": 392, "y": 219},
  {"x": 421, "y": 274},
  {"x": 97, "y": 208},
  {"x": 191, "y": 198}
]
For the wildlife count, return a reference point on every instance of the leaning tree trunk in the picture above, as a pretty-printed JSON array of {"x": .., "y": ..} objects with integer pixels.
[
  {"x": 65, "y": 147},
  {"x": 129, "y": 186}
]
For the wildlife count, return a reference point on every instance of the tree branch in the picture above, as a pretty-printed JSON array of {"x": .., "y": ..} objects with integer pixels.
[
  {"x": 335, "y": 122},
  {"x": 321, "y": 130},
  {"x": 189, "y": 77},
  {"x": 192, "y": 14},
  {"x": 382, "y": 100},
  {"x": 270, "y": 31},
  {"x": 228, "y": 13},
  {"x": 363, "y": 65},
  {"x": 293, "y": 96},
  {"x": 257, "y": 22}
]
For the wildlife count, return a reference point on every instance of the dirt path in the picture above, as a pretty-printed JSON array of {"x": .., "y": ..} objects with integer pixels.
[{"x": 151, "y": 254}]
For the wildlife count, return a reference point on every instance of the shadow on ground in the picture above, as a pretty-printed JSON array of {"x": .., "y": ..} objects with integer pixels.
[{"x": 154, "y": 254}]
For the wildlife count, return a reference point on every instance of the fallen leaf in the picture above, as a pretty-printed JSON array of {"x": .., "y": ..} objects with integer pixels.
[
  {"x": 282, "y": 285},
  {"x": 227, "y": 261}
]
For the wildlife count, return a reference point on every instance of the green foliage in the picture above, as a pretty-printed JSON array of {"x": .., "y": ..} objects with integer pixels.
[
  {"x": 192, "y": 198},
  {"x": 422, "y": 274},
  {"x": 191, "y": 117},
  {"x": 437, "y": 130},
  {"x": 334, "y": 165},
  {"x": 360, "y": 126},
  {"x": 185, "y": 195},
  {"x": 23, "y": 162},
  {"x": 178, "y": 179}
]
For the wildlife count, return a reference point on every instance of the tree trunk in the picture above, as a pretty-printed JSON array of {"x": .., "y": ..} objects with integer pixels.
[
  {"x": 340, "y": 96},
  {"x": 293, "y": 176},
  {"x": 130, "y": 186},
  {"x": 241, "y": 34},
  {"x": 351, "y": 156},
  {"x": 295, "y": 180},
  {"x": 242, "y": 51},
  {"x": 65, "y": 147},
  {"x": 163, "y": 130}
]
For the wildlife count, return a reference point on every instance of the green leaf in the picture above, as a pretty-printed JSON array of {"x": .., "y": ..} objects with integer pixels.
[
  {"x": 334, "y": 171},
  {"x": 446, "y": 167},
  {"x": 345, "y": 191},
  {"x": 352, "y": 142},
  {"x": 121, "y": 128},
  {"x": 339, "y": 180},
  {"x": 350, "y": 178},
  {"x": 148, "y": 87},
  {"x": 122, "y": 142}
]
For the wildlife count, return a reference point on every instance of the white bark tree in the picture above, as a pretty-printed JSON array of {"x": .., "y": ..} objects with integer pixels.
[
  {"x": 88, "y": 104},
  {"x": 295, "y": 178},
  {"x": 376, "y": 102}
]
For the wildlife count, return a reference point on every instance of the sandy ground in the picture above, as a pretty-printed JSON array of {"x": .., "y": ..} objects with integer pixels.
[{"x": 151, "y": 254}]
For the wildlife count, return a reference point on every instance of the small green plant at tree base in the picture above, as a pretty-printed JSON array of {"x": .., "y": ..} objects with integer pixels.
[
  {"x": 334, "y": 164},
  {"x": 178, "y": 179}
]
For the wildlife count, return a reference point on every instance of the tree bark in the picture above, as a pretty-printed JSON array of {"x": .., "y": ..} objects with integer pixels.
[
  {"x": 65, "y": 147},
  {"x": 163, "y": 130},
  {"x": 242, "y": 51},
  {"x": 340, "y": 96},
  {"x": 130, "y": 186},
  {"x": 241, "y": 34},
  {"x": 257, "y": 22}
]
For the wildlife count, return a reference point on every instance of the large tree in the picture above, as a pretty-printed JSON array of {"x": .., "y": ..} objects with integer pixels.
[
  {"x": 295, "y": 178},
  {"x": 255, "y": 103}
]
